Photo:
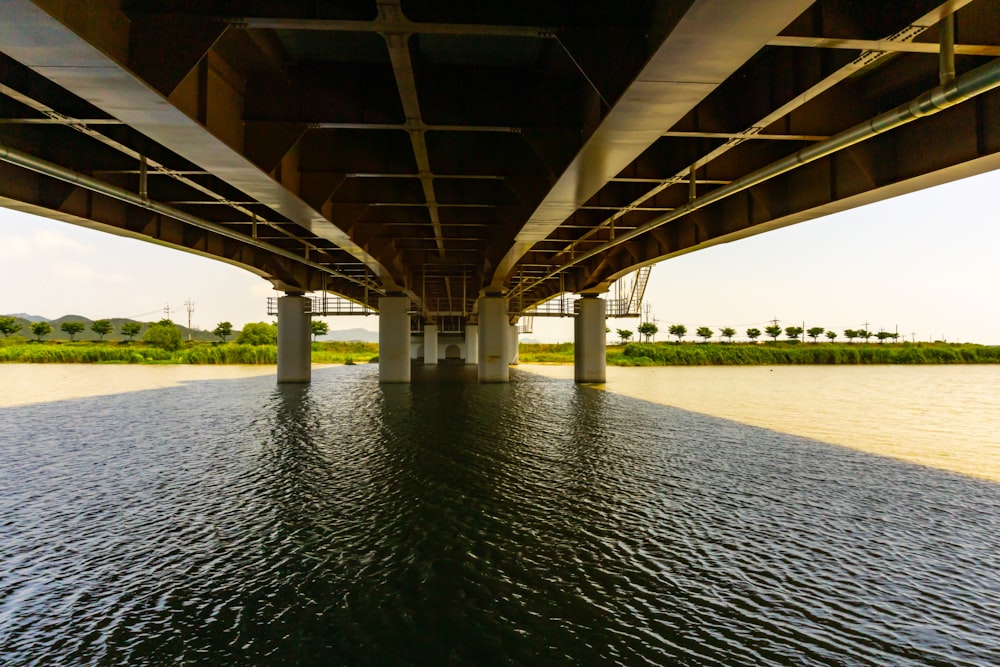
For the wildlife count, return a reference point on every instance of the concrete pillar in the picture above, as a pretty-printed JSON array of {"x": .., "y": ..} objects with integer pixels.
[
  {"x": 393, "y": 340},
  {"x": 590, "y": 339},
  {"x": 472, "y": 343},
  {"x": 294, "y": 330},
  {"x": 430, "y": 344},
  {"x": 493, "y": 340},
  {"x": 513, "y": 345}
]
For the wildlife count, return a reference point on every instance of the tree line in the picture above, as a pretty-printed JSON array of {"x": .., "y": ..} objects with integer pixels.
[
  {"x": 793, "y": 333},
  {"x": 164, "y": 334}
]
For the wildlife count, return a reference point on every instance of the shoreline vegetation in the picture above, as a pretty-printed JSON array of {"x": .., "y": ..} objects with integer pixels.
[
  {"x": 191, "y": 352},
  {"x": 772, "y": 353},
  {"x": 16, "y": 349}
]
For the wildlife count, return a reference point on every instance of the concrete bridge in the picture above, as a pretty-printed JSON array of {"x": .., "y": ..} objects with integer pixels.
[{"x": 455, "y": 164}]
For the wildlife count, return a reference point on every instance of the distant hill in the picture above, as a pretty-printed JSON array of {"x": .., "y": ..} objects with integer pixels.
[
  {"x": 348, "y": 335},
  {"x": 30, "y": 318}
]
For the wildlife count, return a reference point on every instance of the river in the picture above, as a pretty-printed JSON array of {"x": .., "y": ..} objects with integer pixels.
[{"x": 232, "y": 521}]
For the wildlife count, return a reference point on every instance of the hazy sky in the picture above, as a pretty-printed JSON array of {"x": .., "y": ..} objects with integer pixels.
[{"x": 928, "y": 263}]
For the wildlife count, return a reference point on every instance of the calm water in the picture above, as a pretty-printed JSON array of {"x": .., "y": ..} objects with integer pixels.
[{"x": 447, "y": 522}]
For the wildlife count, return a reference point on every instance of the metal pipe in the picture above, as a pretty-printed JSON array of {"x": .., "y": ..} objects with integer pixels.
[
  {"x": 976, "y": 82},
  {"x": 946, "y": 54},
  {"x": 46, "y": 168},
  {"x": 143, "y": 183}
]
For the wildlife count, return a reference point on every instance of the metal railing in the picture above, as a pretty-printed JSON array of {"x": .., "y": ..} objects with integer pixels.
[{"x": 328, "y": 305}]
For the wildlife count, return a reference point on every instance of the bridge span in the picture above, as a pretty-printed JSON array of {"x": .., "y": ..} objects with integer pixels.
[{"x": 464, "y": 163}]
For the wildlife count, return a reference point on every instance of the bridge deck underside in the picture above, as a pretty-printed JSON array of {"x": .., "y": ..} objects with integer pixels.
[{"x": 446, "y": 150}]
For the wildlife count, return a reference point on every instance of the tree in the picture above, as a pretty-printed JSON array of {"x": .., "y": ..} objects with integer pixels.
[
  {"x": 678, "y": 330},
  {"x": 623, "y": 335},
  {"x": 728, "y": 332},
  {"x": 831, "y": 334},
  {"x": 648, "y": 330},
  {"x": 793, "y": 333},
  {"x": 816, "y": 332},
  {"x": 164, "y": 335},
  {"x": 850, "y": 335},
  {"x": 223, "y": 330},
  {"x": 319, "y": 328},
  {"x": 130, "y": 330},
  {"x": 773, "y": 331},
  {"x": 894, "y": 336},
  {"x": 258, "y": 333},
  {"x": 72, "y": 328},
  {"x": 704, "y": 333},
  {"x": 882, "y": 335},
  {"x": 102, "y": 328},
  {"x": 864, "y": 333},
  {"x": 753, "y": 334},
  {"x": 41, "y": 329},
  {"x": 9, "y": 325}
]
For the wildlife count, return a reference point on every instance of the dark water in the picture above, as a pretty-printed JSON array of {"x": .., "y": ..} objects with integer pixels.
[{"x": 447, "y": 522}]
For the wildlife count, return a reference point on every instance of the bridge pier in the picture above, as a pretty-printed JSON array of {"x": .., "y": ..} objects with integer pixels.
[
  {"x": 294, "y": 331},
  {"x": 590, "y": 341},
  {"x": 430, "y": 344},
  {"x": 513, "y": 348},
  {"x": 493, "y": 340},
  {"x": 393, "y": 340},
  {"x": 471, "y": 343}
]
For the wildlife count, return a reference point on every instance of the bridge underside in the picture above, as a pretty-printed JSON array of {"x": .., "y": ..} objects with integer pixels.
[{"x": 450, "y": 150}]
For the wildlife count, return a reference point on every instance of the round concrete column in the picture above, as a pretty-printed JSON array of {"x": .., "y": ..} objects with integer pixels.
[
  {"x": 472, "y": 343},
  {"x": 393, "y": 340},
  {"x": 430, "y": 344},
  {"x": 513, "y": 345},
  {"x": 294, "y": 330},
  {"x": 589, "y": 351},
  {"x": 493, "y": 340}
]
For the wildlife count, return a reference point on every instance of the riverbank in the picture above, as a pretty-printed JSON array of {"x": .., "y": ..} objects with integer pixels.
[
  {"x": 193, "y": 353},
  {"x": 633, "y": 354},
  {"x": 772, "y": 354}
]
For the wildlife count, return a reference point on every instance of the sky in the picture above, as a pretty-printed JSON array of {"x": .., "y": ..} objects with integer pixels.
[{"x": 925, "y": 264}]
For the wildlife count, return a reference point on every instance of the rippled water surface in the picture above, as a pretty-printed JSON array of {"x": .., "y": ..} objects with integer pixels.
[{"x": 446, "y": 522}]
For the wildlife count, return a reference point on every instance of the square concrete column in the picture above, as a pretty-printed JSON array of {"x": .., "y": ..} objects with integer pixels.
[
  {"x": 513, "y": 345},
  {"x": 590, "y": 341},
  {"x": 294, "y": 330},
  {"x": 430, "y": 344},
  {"x": 393, "y": 340},
  {"x": 472, "y": 343},
  {"x": 494, "y": 351}
]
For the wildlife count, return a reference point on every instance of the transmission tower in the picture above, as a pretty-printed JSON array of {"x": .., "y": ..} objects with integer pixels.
[{"x": 189, "y": 304}]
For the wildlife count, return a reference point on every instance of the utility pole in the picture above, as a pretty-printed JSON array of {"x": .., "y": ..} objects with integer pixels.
[
  {"x": 189, "y": 304},
  {"x": 166, "y": 311}
]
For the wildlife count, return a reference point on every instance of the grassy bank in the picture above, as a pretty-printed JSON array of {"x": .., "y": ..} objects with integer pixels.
[
  {"x": 14, "y": 351},
  {"x": 766, "y": 354}
]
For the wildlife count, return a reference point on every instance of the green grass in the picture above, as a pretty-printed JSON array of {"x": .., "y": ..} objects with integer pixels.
[
  {"x": 745, "y": 354},
  {"x": 54, "y": 352},
  {"x": 17, "y": 350}
]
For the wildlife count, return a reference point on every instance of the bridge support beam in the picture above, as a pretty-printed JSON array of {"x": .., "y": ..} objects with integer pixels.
[
  {"x": 393, "y": 340},
  {"x": 590, "y": 339},
  {"x": 430, "y": 344},
  {"x": 294, "y": 330},
  {"x": 493, "y": 340},
  {"x": 471, "y": 343}
]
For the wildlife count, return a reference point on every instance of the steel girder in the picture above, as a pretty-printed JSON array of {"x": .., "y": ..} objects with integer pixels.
[{"x": 449, "y": 151}]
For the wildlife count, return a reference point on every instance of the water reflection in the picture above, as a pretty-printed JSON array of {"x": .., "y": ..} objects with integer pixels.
[{"x": 445, "y": 521}]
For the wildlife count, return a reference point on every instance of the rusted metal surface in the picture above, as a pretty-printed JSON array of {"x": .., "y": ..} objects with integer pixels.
[{"x": 450, "y": 150}]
